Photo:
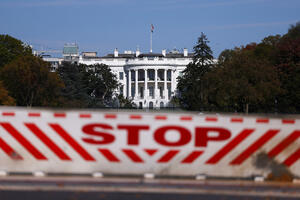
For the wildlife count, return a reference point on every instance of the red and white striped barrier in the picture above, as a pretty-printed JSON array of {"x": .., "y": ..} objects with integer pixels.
[{"x": 139, "y": 143}]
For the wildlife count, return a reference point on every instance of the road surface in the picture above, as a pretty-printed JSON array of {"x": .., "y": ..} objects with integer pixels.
[{"x": 89, "y": 188}]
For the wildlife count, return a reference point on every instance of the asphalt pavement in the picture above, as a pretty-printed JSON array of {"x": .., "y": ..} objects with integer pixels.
[{"x": 89, "y": 188}]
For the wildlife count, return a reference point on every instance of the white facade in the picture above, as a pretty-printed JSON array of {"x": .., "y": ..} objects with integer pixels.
[
  {"x": 154, "y": 75},
  {"x": 55, "y": 62}
]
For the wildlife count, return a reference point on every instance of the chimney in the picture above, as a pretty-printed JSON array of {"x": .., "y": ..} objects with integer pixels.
[
  {"x": 116, "y": 53},
  {"x": 164, "y": 52},
  {"x": 185, "y": 52},
  {"x": 137, "y": 53}
]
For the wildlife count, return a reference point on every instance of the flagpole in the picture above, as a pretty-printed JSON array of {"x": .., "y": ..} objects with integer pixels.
[{"x": 151, "y": 32}]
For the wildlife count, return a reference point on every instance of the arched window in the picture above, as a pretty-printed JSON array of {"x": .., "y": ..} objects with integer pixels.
[
  {"x": 161, "y": 105},
  {"x": 150, "y": 105}
]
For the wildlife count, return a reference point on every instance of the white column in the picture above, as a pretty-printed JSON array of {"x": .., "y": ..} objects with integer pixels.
[
  {"x": 125, "y": 89},
  {"x": 146, "y": 85},
  {"x": 155, "y": 85},
  {"x": 129, "y": 84},
  {"x": 172, "y": 82},
  {"x": 136, "y": 84},
  {"x": 165, "y": 85}
]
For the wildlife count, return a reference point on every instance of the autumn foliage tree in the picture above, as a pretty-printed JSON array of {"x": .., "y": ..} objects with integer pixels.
[
  {"x": 241, "y": 82},
  {"x": 29, "y": 81},
  {"x": 12, "y": 48},
  {"x": 288, "y": 65},
  {"x": 5, "y": 99},
  {"x": 263, "y": 77}
]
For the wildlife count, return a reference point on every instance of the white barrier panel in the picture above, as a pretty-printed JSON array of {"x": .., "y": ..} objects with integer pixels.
[{"x": 139, "y": 143}]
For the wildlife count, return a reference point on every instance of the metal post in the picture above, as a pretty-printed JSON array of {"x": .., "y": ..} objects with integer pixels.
[{"x": 151, "y": 41}]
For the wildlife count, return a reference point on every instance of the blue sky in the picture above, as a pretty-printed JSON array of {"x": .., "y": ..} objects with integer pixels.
[{"x": 102, "y": 25}]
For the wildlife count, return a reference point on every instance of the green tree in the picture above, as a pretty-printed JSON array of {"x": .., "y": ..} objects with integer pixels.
[
  {"x": 243, "y": 83},
  {"x": 102, "y": 83},
  {"x": 226, "y": 55},
  {"x": 12, "y": 48},
  {"x": 191, "y": 85},
  {"x": 87, "y": 85},
  {"x": 29, "y": 81},
  {"x": 74, "y": 94}
]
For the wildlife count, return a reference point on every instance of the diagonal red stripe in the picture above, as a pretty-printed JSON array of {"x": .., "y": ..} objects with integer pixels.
[
  {"x": 132, "y": 155},
  {"x": 254, "y": 147},
  {"x": 192, "y": 157},
  {"x": 23, "y": 141},
  {"x": 168, "y": 156},
  {"x": 285, "y": 143},
  {"x": 9, "y": 151},
  {"x": 228, "y": 147},
  {"x": 292, "y": 158},
  {"x": 109, "y": 155},
  {"x": 47, "y": 141},
  {"x": 79, "y": 149}
]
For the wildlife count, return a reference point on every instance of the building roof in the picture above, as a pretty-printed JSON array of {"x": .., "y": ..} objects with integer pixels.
[
  {"x": 121, "y": 55},
  {"x": 178, "y": 55},
  {"x": 150, "y": 55}
]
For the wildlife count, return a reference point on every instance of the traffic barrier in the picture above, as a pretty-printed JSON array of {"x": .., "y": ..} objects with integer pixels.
[{"x": 138, "y": 143}]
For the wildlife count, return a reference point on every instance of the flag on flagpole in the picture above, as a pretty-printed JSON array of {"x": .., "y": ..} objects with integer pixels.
[{"x": 152, "y": 28}]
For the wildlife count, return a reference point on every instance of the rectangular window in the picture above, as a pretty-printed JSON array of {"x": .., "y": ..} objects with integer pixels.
[
  {"x": 151, "y": 75},
  {"x": 132, "y": 75},
  {"x": 142, "y": 92},
  {"x": 141, "y": 75},
  {"x": 121, "y": 90},
  {"x": 169, "y": 75},
  {"x": 161, "y": 92},
  {"x": 151, "y": 91},
  {"x": 160, "y": 75},
  {"x": 132, "y": 91},
  {"x": 169, "y": 92},
  {"x": 121, "y": 75}
]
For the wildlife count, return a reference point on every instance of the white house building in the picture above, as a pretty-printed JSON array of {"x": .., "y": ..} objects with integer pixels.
[{"x": 149, "y": 79}]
